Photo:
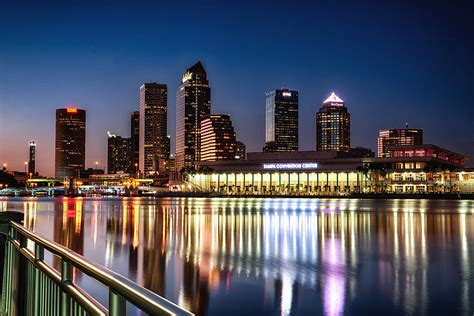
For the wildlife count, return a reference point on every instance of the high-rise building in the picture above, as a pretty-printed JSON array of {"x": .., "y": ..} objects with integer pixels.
[
  {"x": 398, "y": 137},
  {"x": 134, "y": 140},
  {"x": 70, "y": 149},
  {"x": 161, "y": 165},
  {"x": 281, "y": 124},
  {"x": 119, "y": 153},
  {"x": 241, "y": 151},
  {"x": 218, "y": 138},
  {"x": 168, "y": 147},
  {"x": 32, "y": 160},
  {"x": 333, "y": 129},
  {"x": 193, "y": 102},
  {"x": 153, "y": 126}
]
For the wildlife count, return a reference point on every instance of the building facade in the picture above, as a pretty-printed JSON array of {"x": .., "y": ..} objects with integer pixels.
[
  {"x": 70, "y": 148},
  {"x": 153, "y": 126},
  {"x": 335, "y": 173},
  {"x": 333, "y": 125},
  {"x": 218, "y": 140},
  {"x": 135, "y": 141},
  {"x": 32, "y": 158},
  {"x": 193, "y": 102},
  {"x": 241, "y": 152},
  {"x": 119, "y": 153},
  {"x": 398, "y": 137},
  {"x": 281, "y": 121}
]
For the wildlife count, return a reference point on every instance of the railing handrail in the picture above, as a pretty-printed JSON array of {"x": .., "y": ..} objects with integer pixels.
[{"x": 139, "y": 296}]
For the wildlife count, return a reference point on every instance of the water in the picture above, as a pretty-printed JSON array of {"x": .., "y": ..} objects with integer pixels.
[{"x": 274, "y": 256}]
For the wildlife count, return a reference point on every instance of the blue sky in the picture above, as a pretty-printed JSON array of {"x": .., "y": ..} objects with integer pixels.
[{"x": 392, "y": 63}]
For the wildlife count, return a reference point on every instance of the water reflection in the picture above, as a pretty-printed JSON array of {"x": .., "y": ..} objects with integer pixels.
[{"x": 282, "y": 256}]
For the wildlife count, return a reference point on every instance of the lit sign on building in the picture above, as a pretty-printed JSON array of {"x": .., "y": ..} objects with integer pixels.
[
  {"x": 286, "y": 94},
  {"x": 71, "y": 110},
  {"x": 280, "y": 166}
]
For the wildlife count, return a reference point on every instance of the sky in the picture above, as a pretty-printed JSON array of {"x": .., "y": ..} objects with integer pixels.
[{"x": 392, "y": 63}]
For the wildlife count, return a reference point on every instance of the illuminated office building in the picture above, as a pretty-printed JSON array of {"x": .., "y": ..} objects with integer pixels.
[
  {"x": 32, "y": 158},
  {"x": 119, "y": 153},
  {"x": 241, "y": 152},
  {"x": 134, "y": 140},
  {"x": 398, "y": 137},
  {"x": 153, "y": 126},
  {"x": 70, "y": 148},
  {"x": 333, "y": 130},
  {"x": 218, "y": 138},
  {"x": 193, "y": 102},
  {"x": 281, "y": 121}
]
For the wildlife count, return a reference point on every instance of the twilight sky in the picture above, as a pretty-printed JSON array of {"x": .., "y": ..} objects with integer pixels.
[{"x": 392, "y": 63}]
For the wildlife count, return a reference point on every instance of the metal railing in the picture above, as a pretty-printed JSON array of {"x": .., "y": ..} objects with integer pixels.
[{"x": 32, "y": 287}]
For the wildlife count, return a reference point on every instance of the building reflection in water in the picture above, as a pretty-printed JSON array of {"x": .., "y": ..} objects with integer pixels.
[
  {"x": 69, "y": 229},
  {"x": 305, "y": 255}
]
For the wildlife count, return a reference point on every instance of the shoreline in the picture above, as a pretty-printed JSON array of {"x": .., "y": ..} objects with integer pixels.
[
  {"x": 371, "y": 196},
  {"x": 378, "y": 196}
]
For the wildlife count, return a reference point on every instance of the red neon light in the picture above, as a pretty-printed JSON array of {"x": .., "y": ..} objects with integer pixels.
[{"x": 71, "y": 110}]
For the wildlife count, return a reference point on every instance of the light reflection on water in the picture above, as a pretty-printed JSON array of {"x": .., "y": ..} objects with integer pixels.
[{"x": 274, "y": 256}]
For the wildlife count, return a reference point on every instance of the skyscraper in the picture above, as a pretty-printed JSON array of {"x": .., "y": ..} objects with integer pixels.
[
  {"x": 153, "y": 125},
  {"x": 218, "y": 138},
  {"x": 398, "y": 137},
  {"x": 333, "y": 130},
  {"x": 70, "y": 149},
  {"x": 281, "y": 124},
  {"x": 241, "y": 151},
  {"x": 119, "y": 153},
  {"x": 193, "y": 102},
  {"x": 32, "y": 160},
  {"x": 134, "y": 140}
]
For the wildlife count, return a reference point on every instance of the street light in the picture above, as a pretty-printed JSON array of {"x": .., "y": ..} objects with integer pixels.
[{"x": 96, "y": 165}]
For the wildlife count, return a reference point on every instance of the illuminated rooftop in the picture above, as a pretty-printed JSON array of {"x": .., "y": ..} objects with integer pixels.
[{"x": 333, "y": 98}]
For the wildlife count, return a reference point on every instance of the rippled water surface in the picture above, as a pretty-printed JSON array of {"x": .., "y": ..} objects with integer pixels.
[{"x": 274, "y": 256}]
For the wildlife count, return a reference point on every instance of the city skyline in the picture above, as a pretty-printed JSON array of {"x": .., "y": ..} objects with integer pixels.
[{"x": 381, "y": 72}]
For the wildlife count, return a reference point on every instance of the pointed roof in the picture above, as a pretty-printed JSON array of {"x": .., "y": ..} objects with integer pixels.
[
  {"x": 333, "y": 98},
  {"x": 196, "y": 71},
  {"x": 197, "y": 68}
]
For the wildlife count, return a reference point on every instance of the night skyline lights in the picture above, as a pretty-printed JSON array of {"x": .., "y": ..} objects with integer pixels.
[{"x": 340, "y": 128}]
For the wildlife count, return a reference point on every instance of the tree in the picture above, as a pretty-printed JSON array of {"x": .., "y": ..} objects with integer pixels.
[
  {"x": 373, "y": 172},
  {"x": 7, "y": 179},
  {"x": 206, "y": 170},
  {"x": 185, "y": 172}
]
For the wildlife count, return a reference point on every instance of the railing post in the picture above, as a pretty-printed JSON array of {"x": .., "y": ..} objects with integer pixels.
[
  {"x": 22, "y": 278},
  {"x": 66, "y": 278},
  {"x": 117, "y": 304},
  {"x": 39, "y": 256}
]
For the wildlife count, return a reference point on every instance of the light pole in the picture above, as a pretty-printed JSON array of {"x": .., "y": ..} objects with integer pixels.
[{"x": 96, "y": 165}]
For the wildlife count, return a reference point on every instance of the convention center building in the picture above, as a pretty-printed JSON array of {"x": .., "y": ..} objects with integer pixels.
[{"x": 408, "y": 169}]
